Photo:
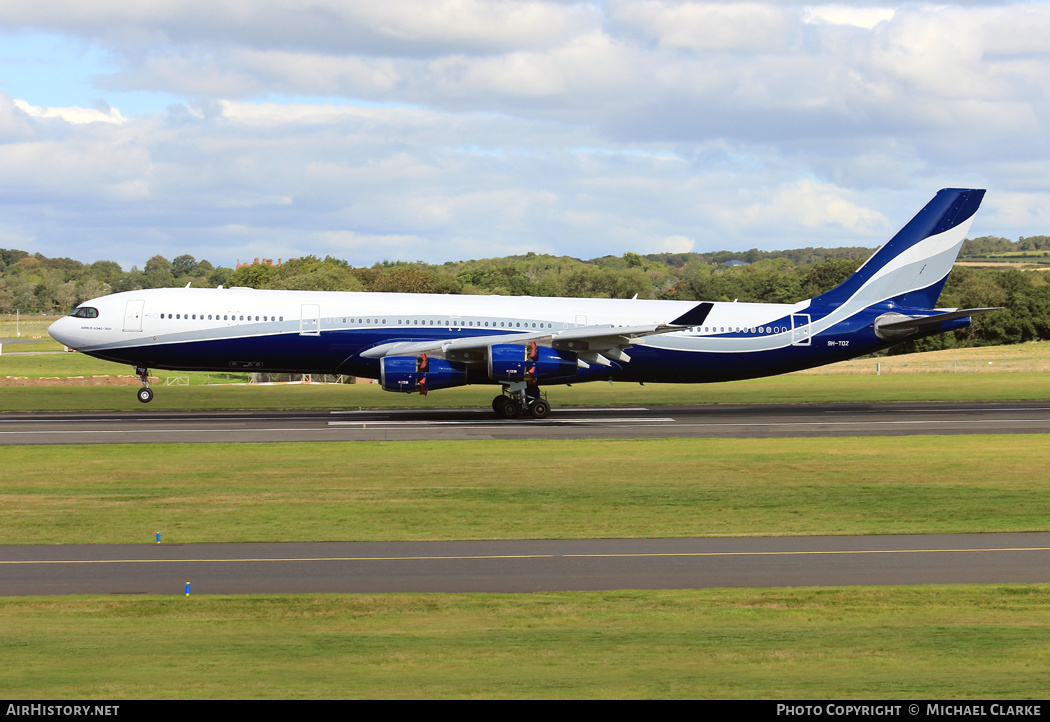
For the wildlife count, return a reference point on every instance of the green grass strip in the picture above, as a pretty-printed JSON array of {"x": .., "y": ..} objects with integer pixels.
[
  {"x": 523, "y": 489},
  {"x": 780, "y": 389},
  {"x": 952, "y": 642}
]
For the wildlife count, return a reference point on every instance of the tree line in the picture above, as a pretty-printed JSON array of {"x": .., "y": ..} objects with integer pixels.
[
  {"x": 991, "y": 246},
  {"x": 32, "y": 283}
]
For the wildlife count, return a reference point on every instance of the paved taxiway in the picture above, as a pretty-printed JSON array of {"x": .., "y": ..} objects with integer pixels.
[
  {"x": 739, "y": 421},
  {"x": 525, "y": 566}
]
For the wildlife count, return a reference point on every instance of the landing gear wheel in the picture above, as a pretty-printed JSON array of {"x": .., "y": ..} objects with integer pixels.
[
  {"x": 145, "y": 395},
  {"x": 511, "y": 409},
  {"x": 497, "y": 404},
  {"x": 540, "y": 409}
]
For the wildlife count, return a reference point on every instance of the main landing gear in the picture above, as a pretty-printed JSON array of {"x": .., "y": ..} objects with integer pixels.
[
  {"x": 145, "y": 393},
  {"x": 519, "y": 399}
]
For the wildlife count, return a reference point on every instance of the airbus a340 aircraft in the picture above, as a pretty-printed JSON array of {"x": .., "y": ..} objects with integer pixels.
[{"x": 415, "y": 343}]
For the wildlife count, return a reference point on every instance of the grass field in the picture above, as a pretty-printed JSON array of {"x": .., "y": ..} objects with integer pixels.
[
  {"x": 987, "y": 642},
  {"x": 779, "y": 389},
  {"x": 984, "y": 360},
  {"x": 32, "y": 347},
  {"x": 496, "y": 490},
  {"x": 26, "y": 327},
  {"x": 27, "y": 361}
]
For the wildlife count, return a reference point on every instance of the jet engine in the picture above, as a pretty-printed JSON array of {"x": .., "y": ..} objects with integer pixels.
[
  {"x": 412, "y": 374},
  {"x": 530, "y": 363}
]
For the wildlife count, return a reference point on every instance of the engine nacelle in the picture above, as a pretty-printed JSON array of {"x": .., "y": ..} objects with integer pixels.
[
  {"x": 530, "y": 363},
  {"x": 419, "y": 374}
]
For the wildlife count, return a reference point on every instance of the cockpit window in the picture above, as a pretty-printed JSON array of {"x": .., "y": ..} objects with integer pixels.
[{"x": 85, "y": 312}]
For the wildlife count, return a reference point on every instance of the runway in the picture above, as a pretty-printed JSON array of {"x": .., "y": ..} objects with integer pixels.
[
  {"x": 725, "y": 421},
  {"x": 524, "y": 566}
]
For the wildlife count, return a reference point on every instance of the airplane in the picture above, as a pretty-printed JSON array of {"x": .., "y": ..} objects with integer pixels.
[{"x": 417, "y": 343}]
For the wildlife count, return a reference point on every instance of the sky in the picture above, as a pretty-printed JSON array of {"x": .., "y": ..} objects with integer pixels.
[{"x": 443, "y": 130}]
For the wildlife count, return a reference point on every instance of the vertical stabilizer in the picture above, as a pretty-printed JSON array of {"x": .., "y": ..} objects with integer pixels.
[{"x": 910, "y": 269}]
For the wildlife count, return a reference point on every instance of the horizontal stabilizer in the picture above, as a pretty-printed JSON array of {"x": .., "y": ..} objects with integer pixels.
[{"x": 893, "y": 326}]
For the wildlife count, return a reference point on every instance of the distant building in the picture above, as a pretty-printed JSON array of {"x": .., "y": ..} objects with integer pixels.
[{"x": 726, "y": 263}]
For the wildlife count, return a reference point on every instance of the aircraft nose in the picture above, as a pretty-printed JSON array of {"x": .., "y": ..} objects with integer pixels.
[{"x": 62, "y": 331}]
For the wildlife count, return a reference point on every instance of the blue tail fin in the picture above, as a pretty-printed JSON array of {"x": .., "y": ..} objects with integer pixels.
[{"x": 909, "y": 271}]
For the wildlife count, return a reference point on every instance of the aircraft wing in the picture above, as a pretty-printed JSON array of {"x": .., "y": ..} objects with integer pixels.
[{"x": 592, "y": 344}]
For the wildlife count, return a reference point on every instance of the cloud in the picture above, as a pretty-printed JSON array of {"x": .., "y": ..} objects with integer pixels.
[
  {"x": 14, "y": 125},
  {"x": 634, "y": 69},
  {"x": 811, "y": 206},
  {"x": 439, "y": 129},
  {"x": 862, "y": 16},
  {"x": 745, "y": 26},
  {"x": 1018, "y": 210},
  {"x": 73, "y": 115},
  {"x": 402, "y": 27},
  {"x": 677, "y": 244}
]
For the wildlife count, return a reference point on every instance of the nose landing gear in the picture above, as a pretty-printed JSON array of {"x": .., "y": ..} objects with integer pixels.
[{"x": 145, "y": 394}]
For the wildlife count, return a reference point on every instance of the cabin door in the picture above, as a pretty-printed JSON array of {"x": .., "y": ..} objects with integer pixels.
[
  {"x": 800, "y": 329},
  {"x": 133, "y": 316},
  {"x": 310, "y": 320}
]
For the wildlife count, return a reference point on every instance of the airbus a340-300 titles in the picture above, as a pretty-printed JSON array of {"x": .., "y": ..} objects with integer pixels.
[{"x": 415, "y": 343}]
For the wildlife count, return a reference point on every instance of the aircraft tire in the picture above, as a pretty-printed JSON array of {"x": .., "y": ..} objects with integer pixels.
[
  {"x": 511, "y": 409},
  {"x": 497, "y": 404},
  {"x": 540, "y": 409},
  {"x": 145, "y": 395}
]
